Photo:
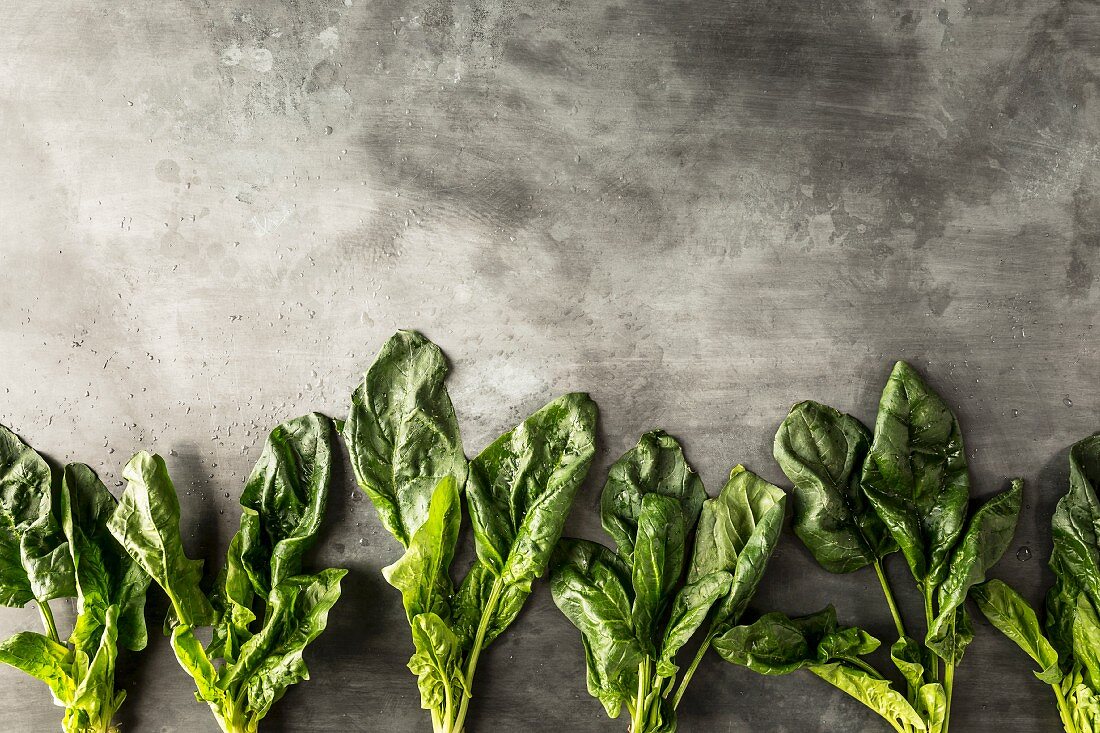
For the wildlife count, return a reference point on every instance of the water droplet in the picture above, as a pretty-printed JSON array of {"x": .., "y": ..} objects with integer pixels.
[
  {"x": 1067, "y": 402},
  {"x": 1023, "y": 554},
  {"x": 1015, "y": 413},
  {"x": 328, "y": 129}
]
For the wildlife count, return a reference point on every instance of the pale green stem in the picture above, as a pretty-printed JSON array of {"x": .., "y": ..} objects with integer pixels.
[
  {"x": 690, "y": 672},
  {"x": 640, "y": 702},
  {"x": 890, "y": 598},
  {"x": 231, "y": 720},
  {"x": 73, "y": 724},
  {"x": 948, "y": 683},
  {"x": 448, "y": 708},
  {"x": 482, "y": 628},
  {"x": 47, "y": 620},
  {"x": 1064, "y": 711}
]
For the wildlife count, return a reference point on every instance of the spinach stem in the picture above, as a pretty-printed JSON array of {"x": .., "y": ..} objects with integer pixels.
[
  {"x": 47, "y": 620},
  {"x": 448, "y": 709},
  {"x": 890, "y": 601},
  {"x": 690, "y": 672},
  {"x": 948, "y": 683},
  {"x": 640, "y": 703},
  {"x": 482, "y": 628},
  {"x": 1063, "y": 710},
  {"x": 929, "y": 617},
  {"x": 857, "y": 662}
]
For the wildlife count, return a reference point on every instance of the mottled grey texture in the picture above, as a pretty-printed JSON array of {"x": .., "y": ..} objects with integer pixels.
[{"x": 212, "y": 215}]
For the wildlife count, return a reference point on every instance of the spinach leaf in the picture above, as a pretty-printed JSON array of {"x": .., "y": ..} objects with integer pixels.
[
  {"x": 407, "y": 456},
  {"x": 658, "y": 563},
  {"x": 1011, "y": 614},
  {"x": 1075, "y": 527},
  {"x": 437, "y": 664},
  {"x": 859, "y": 497},
  {"x": 775, "y": 644},
  {"x": 877, "y": 694},
  {"x": 522, "y": 486},
  {"x": 519, "y": 493},
  {"x": 655, "y": 465},
  {"x": 423, "y": 572},
  {"x": 632, "y": 607},
  {"x": 822, "y": 452},
  {"x": 1067, "y": 656},
  {"x": 593, "y": 587},
  {"x": 35, "y": 564},
  {"x": 60, "y": 525},
  {"x": 247, "y": 666},
  {"x": 147, "y": 524},
  {"x": 737, "y": 533},
  {"x": 916, "y": 473},
  {"x": 985, "y": 540},
  {"x": 778, "y": 645},
  {"x": 689, "y": 611},
  {"x": 284, "y": 500},
  {"x": 402, "y": 434},
  {"x": 42, "y": 658},
  {"x": 105, "y": 575}
]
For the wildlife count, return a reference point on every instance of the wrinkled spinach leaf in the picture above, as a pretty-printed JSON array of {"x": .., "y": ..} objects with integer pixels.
[
  {"x": 916, "y": 474},
  {"x": 822, "y": 452},
  {"x": 407, "y": 455},
  {"x": 778, "y": 645},
  {"x": 1068, "y": 655},
  {"x": 402, "y": 434},
  {"x": 59, "y": 525},
  {"x": 985, "y": 540},
  {"x": 860, "y": 496},
  {"x": 35, "y": 564},
  {"x": 633, "y": 607},
  {"x": 263, "y": 610}
]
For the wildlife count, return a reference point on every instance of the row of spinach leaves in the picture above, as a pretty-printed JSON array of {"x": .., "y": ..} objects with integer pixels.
[{"x": 682, "y": 564}]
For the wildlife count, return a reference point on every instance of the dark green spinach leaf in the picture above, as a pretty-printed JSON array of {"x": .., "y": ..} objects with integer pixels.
[
  {"x": 778, "y": 645},
  {"x": 407, "y": 455},
  {"x": 916, "y": 474},
  {"x": 860, "y": 497},
  {"x": 35, "y": 564},
  {"x": 247, "y": 666},
  {"x": 402, "y": 434},
  {"x": 822, "y": 452},
  {"x": 1068, "y": 656},
  {"x": 632, "y": 607}
]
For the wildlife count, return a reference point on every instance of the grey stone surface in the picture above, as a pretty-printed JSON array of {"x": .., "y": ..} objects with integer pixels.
[{"x": 212, "y": 215}]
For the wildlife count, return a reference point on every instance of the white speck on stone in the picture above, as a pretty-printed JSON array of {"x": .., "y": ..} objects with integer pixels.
[
  {"x": 232, "y": 55},
  {"x": 261, "y": 59},
  {"x": 329, "y": 38}
]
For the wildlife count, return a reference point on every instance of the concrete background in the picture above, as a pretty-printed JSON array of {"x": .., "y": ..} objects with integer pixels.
[{"x": 213, "y": 214}]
